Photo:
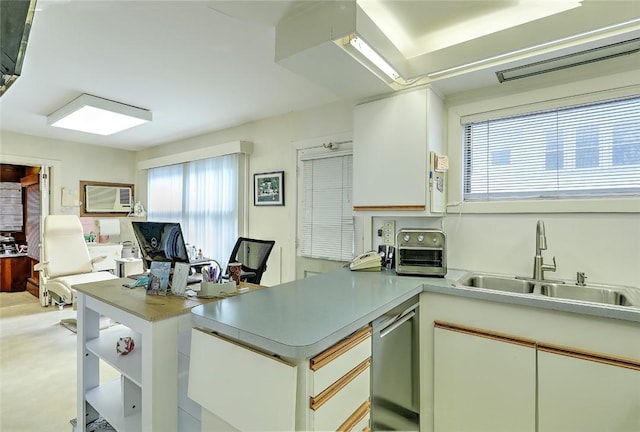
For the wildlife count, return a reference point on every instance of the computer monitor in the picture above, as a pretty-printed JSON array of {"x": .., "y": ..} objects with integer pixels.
[{"x": 160, "y": 241}]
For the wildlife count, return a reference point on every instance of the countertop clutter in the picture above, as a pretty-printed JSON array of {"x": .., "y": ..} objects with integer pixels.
[{"x": 303, "y": 317}]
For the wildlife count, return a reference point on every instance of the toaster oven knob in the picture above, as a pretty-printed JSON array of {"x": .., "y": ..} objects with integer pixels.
[
  {"x": 420, "y": 238},
  {"x": 406, "y": 237}
]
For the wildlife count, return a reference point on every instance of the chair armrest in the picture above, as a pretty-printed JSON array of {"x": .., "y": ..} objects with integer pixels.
[
  {"x": 98, "y": 259},
  {"x": 41, "y": 266}
]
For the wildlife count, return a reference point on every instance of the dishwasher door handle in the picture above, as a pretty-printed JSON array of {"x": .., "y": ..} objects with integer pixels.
[{"x": 391, "y": 327}]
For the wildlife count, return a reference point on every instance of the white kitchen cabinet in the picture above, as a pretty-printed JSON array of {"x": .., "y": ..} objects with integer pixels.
[
  {"x": 330, "y": 391},
  {"x": 240, "y": 388},
  {"x": 340, "y": 384},
  {"x": 483, "y": 382},
  {"x": 392, "y": 141},
  {"x": 587, "y": 372},
  {"x": 150, "y": 394},
  {"x": 587, "y": 392}
]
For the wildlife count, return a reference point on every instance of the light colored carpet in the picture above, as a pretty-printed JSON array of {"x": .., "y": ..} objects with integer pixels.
[
  {"x": 16, "y": 298},
  {"x": 72, "y": 324},
  {"x": 38, "y": 367}
]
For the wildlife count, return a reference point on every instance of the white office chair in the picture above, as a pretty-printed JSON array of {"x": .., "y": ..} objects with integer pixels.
[{"x": 66, "y": 260}]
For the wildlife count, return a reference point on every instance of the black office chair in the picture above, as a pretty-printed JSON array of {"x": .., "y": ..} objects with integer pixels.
[{"x": 253, "y": 255}]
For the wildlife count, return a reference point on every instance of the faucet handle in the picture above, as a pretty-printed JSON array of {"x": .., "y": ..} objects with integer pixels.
[
  {"x": 549, "y": 267},
  {"x": 580, "y": 277}
]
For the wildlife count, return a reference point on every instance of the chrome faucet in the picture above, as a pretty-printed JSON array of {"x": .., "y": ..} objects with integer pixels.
[{"x": 539, "y": 267}]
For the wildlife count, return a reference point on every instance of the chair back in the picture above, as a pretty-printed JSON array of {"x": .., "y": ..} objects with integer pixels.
[
  {"x": 253, "y": 254},
  {"x": 63, "y": 246}
]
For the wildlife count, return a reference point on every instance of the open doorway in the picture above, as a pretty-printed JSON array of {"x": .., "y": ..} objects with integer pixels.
[{"x": 25, "y": 203}]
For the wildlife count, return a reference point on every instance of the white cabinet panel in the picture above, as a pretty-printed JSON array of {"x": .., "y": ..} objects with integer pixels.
[
  {"x": 343, "y": 404},
  {"x": 340, "y": 366},
  {"x": 392, "y": 139},
  {"x": 259, "y": 390},
  {"x": 576, "y": 394},
  {"x": 482, "y": 384}
]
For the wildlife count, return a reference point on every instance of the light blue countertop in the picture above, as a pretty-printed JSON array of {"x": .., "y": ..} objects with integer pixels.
[{"x": 299, "y": 319}]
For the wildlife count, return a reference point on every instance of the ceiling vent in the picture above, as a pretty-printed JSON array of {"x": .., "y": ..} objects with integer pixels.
[{"x": 631, "y": 46}]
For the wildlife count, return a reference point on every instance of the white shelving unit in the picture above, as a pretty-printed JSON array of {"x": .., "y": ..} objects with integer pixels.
[{"x": 147, "y": 396}]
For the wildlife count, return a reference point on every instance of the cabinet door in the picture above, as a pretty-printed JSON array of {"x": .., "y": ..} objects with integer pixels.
[
  {"x": 586, "y": 394},
  {"x": 237, "y": 385},
  {"x": 483, "y": 383},
  {"x": 390, "y": 164}
]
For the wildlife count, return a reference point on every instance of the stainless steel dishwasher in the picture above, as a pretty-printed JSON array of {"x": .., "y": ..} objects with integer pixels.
[{"x": 395, "y": 377}]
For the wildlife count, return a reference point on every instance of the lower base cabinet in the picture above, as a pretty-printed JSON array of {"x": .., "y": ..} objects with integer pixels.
[
  {"x": 488, "y": 381},
  {"x": 587, "y": 392},
  {"x": 240, "y": 388},
  {"x": 483, "y": 382}
]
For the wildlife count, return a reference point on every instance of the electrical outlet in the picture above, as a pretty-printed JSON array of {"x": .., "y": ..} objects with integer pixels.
[{"x": 388, "y": 232}]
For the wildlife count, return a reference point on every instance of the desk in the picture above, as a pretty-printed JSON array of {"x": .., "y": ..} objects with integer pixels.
[{"x": 150, "y": 394}]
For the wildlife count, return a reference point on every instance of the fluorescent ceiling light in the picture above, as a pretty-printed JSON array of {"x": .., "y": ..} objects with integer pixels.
[
  {"x": 531, "y": 50},
  {"x": 570, "y": 60},
  {"x": 98, "y": 116},
  {"x": 364, "y": 53},
  {"x": 489, "y": 18}
]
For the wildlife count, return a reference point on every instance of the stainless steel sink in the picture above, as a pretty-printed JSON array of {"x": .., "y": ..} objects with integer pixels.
[
  {"x": 496, "y": 282},
  {"x": 591, "y": 293},
  {"x": 596, "y": 293}
]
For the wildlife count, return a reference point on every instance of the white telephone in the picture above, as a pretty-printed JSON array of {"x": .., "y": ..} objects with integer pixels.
[{"x": 368, "y": 261}]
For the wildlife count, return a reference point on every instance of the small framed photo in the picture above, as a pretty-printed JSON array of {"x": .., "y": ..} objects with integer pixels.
[{"x": 268, "y": 189}]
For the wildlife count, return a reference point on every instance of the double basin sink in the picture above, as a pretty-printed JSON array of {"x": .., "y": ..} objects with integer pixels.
[{"x": 597, "y": 293}]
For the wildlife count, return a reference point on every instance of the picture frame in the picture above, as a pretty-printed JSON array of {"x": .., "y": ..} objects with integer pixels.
[{"x": 268, "y": 189}]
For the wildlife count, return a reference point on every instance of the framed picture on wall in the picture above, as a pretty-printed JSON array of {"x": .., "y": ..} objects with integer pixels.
[{"x": 268, "y": 189}]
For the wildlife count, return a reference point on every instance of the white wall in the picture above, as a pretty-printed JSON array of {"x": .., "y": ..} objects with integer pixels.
[
  {"x": 273, "y": 150},
  {"x": 603, "y": 244},
  {"x": 72, "y": 162}
]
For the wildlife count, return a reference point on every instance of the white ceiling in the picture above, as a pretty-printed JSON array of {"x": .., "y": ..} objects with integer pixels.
[{"x": 202, "y": 66}]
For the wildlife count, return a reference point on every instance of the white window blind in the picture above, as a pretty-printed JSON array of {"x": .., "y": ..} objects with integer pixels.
[
  {"x": 327, "y": 207},
  {"x": 589, "y": 150}
]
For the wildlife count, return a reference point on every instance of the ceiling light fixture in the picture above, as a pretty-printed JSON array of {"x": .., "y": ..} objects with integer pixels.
[
  {"x": 359, "y": 49},
  {"x": 570, "y": 60},
  {"x": 532, "y": 49},
  {"x": 99, "y": 116}
]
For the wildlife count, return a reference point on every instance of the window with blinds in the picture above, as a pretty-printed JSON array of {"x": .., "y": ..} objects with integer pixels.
[
  {"x": 588, "y": 150},
  {"x": 327, "y": 219}
]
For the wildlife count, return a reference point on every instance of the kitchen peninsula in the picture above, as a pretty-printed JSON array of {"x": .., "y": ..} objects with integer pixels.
[
  {"x": 293, "y": 322},
  {"x": 298, "y": 356}
]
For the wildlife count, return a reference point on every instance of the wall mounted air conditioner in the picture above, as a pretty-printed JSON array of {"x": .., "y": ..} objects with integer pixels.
[{"x": 107, "y": 199}]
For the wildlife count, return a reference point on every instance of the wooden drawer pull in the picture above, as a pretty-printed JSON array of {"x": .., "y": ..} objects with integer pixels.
[
  {"x": 591, "y": 356},
  {"x": 329, "y": 392},
  {"x": 340, "y": 348},
  {"x": 356, "y": 417},
  {"x": 502, "y": 337}
]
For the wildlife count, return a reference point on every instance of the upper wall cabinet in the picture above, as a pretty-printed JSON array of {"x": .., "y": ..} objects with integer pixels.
[{"x": 393, "y": 139}]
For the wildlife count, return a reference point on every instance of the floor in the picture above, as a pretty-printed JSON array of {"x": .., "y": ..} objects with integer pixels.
[{"x": 37, "y": 366}]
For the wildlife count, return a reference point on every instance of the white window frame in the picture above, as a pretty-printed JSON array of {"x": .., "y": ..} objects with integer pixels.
[{"x": 510, "y": 105}]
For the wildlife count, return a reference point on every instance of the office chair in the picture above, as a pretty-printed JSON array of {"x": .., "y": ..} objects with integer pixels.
[
  {"x": 66, "y": 261},
  {"x": 253, "y": 255}
]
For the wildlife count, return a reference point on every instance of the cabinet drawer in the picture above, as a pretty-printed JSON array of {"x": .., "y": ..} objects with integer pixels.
[
  {"x": 336, "y": 361},
  {"x": 335, "y": 406},
  {"x": 359, "y": 420}
]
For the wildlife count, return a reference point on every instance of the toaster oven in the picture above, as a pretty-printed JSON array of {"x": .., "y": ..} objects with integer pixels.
[{"x": 421, "y": 252}]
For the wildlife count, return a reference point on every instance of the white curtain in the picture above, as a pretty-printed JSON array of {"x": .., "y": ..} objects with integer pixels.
[{"x": 203, "y": 196}]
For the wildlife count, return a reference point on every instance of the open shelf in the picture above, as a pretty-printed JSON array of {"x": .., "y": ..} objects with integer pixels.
[
  {"x": 104, "y": 347},
  {"x": 107, "y": 400}
]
